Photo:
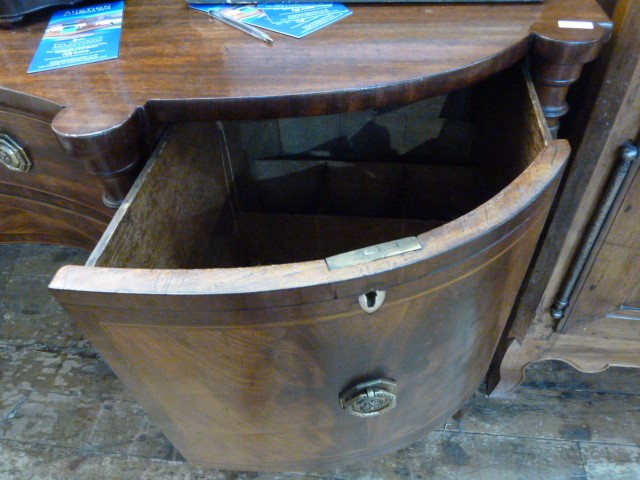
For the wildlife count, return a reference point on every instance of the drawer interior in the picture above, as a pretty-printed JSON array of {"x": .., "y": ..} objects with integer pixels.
[{"x": 236, "y": 194}]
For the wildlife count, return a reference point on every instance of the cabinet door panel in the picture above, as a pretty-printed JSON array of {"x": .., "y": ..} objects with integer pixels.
[{"x": 608, "y": 304}]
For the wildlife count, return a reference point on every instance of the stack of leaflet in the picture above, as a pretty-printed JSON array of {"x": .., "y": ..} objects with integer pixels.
[{"x": 293, "y": 19}]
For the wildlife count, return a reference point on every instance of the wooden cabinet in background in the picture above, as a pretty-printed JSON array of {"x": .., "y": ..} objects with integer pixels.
[{"x": 582, "y": 301}]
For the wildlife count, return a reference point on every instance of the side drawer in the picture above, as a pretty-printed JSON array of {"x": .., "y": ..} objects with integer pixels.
[
  {"x": 253, "y": 278},
  {"x": 52, "y": 198}
]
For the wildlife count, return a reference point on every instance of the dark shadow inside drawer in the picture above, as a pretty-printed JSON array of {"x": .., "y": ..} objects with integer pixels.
[{"x": 235, "y": 194}]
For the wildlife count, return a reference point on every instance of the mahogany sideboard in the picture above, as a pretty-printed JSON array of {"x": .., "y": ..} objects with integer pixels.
[{"x": 317, "y": 244}]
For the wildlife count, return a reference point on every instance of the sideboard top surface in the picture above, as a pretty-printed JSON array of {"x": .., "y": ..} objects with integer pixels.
[{"x": 181, "y": 65}]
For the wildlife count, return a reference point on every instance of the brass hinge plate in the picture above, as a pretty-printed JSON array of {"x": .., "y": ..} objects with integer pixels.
[{"x": 374, "y": 252}]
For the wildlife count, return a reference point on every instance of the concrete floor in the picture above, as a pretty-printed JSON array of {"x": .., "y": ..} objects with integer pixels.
[{"x": 64, "y": 415}]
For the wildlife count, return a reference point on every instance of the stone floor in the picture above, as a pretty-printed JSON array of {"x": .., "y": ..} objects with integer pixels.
[{"x": 64, "y": 415}]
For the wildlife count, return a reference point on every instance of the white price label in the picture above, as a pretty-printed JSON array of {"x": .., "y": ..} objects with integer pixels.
[{"x": 576, "y": 24}]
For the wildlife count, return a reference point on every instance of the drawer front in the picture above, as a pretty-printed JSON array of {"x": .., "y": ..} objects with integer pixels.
[
  {"x": 55, "y": 200},
  {"x": 258, "y": 388},
  {"x": 253, "y": 367}
]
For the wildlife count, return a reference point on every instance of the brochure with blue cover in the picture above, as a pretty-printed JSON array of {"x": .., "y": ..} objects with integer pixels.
[
  {"x": 295, "y": 20},
  {"x": 288, "y": 2},
  {"x": 80, "y": 35}
]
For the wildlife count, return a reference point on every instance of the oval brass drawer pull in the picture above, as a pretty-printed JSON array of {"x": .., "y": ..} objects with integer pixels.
[
  {"x": 12, "y": 155},
  {"x": 370, "y": 398}
]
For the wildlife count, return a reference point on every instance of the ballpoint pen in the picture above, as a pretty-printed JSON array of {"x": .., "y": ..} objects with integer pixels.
[{"x": 241, "y": 26}]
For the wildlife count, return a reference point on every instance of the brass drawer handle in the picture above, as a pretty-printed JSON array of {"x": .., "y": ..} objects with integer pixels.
[
  {"x": 370, "y": 398},
  {"x": 12, "y": 155}
]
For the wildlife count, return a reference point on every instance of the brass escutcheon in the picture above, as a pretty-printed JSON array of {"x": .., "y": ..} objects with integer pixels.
[{"x": 12, "y": 155}]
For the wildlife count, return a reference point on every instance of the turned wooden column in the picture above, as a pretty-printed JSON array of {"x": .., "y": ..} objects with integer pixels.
[
  {"x": 559, "y": 53},
  {"x": 114, "y": 147}
]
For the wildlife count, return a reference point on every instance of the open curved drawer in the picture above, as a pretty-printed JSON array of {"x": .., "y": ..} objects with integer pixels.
[{"x": 275, "y": 307}]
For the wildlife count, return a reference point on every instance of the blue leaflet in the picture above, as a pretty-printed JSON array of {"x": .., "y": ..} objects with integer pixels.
[
  {"x": 293, "y": 19},
  {"x": 80, "y": 35}
]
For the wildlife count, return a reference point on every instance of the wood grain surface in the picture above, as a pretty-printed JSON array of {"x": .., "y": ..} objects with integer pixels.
[{"x": 179, "y": 64}]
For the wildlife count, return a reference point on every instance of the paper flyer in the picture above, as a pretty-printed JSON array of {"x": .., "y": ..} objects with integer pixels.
[
  {"x": 293, "y": 19},
  {"x": 79, "y": 36}
]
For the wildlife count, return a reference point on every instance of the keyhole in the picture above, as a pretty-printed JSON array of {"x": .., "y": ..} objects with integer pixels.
[{"x": 372, "y": 300}]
